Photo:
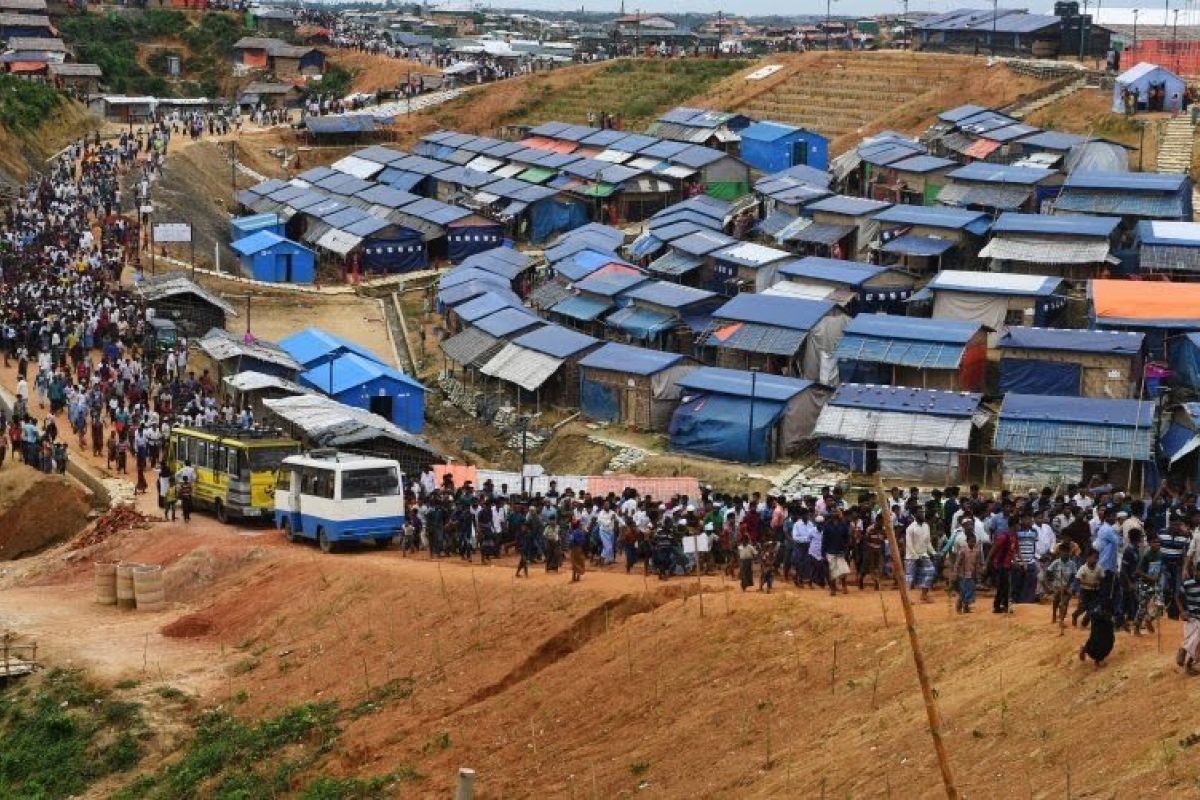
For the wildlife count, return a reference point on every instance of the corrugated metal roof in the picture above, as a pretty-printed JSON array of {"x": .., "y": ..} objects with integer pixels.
[
  {"x": 1073, "y": 439},
  {"x": 528, "y": 369},
  {"x": 641, "y": 322},
  {"x": 1122, "y": 203},
  {"x": 332, "y": 424},
  {"x": 814, "y": 232},
  {"x": 471, "y": 347},
  {"x": 220, "y": 345},
  {"x": 159, "y": 287},
  {"x": 252, "y": 381},
  {"x": 1004, "y": 198},
  {"x": 674, "y": 262},
  {"x": 548, "y": 294},
  {"x": 757, "y": 338},
  {"x": 921, "y": 165},
  {"x": 702, "y": 243},
  {"x": 907, "y": 429},
  {"x": 1042, "y": 250}
]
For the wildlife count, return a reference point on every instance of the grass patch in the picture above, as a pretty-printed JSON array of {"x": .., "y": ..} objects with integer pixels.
[
  {"x": 380, "y": 786},
  {"x": 56, "y": 736},
  {"x": 171, "y": 693},
  {"x": 246, "y": 665},
  {"x": 380, "y": 696},
  {"x": 24, "y": 104},
  {"x": 128, "y": 683}
]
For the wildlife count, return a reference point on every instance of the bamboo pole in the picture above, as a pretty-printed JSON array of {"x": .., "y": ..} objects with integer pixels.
[{"x": 931, "y": 708}]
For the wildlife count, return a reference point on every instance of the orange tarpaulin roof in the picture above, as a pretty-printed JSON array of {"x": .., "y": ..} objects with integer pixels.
[
  {"x": 1145, "y": 300},
  {"x": 981, "y": 148},
  {"x": 725, "y": 332},
  {"x": 26, "y": 66}
]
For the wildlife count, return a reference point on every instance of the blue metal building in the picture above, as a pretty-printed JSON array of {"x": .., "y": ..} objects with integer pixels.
[
  {"x": 365, "y": 383},
  {"x": 267, "y": 256},
  {"x": 773, "y": 147}
]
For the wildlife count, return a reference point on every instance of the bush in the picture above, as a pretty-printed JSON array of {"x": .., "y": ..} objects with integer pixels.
[{"x": 24, "y": 105}]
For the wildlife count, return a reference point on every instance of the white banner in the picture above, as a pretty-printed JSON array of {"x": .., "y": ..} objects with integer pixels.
[{"x": 172, "y": 232}]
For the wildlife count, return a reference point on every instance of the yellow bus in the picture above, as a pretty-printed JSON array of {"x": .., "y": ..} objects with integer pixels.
[{"x": 235, "y": 468}]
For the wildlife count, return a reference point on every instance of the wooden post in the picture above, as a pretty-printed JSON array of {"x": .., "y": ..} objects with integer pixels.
[
  {"x": 931, "y": 708},
  {"x": 466, "y": 784}
]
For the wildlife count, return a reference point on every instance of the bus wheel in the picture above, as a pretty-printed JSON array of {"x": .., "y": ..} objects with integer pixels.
[
  {"x": 323, "y": 541},
  {"x": 288, "y": 533},
  {"x": 382, "y": 544},
  {"x": 222, "y": 514}
]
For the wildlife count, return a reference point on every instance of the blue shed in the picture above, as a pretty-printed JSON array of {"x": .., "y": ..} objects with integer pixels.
[
  {"x": 773, "y": 147},
  {"x": 267, "y": 256},
  {"x": 313, "y": 346},
  {"x": 241, "y": 227},
  {"x": 365, "y": 383}
]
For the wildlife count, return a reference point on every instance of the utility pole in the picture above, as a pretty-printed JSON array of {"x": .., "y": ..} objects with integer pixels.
[
  {"x": 750, "y": 428},
  {"x": 904, "y": 27},
  {"x": 995, "y": 16},
  {"x": 828, "y": 14},
  {"x": 233, "y": 167},
  {"x": 1175, "y": 39},
  {"x": 1135, "y": 16},
  {"x": 1082, "y": 24}
]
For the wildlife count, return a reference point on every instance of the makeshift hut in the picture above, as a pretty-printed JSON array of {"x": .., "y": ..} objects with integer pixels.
[
  {"x": 1169, "y": 248},
  {"x": 911, "y": 351},
  {"x": 630, "y": 385},
  {"x": 685, "y": 257},
  {"x": 852, "y": 217},
  {"x": 915, "y": 180},
  {"x": 1075, "y": 246},
  {"x": 192, "y": 308},
  {"x": 367, "y": 384},
  {"x": 267, "y": 256},
  {"x": 1162, "y": 311},
  {"x": 736, "y": 415},
  {"x": 596, "y": 295},
  {"x": 773, "y": 147},
  {"x": 778, "y": 335},
  {"x": 1132, "y": 196},
  {"x": 248, "y": 389},
  {"x": 1180, "y": 444},
  {"x": 996, "y": 188},
  {"x": 921, "y": 435},
  {"x": 663, "y": 315},
  {"x": 323, "y": 422},
  {"x": 924, "y": 240},
  {"x": 859, "y": 286},
  {"x": 1148, "y": 87},
  {"x": 1071, "y": 363},
  {"x": 234, "y": 353},
  {"x": 994, "y": 300},
  {"x": 568, "y": 346},
  {"x": 741, "y": 267},
  {"x": 1055, "y": 441}
]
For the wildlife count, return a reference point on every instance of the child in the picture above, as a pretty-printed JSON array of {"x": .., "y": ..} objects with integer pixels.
[
  {"x": 408, "y": 541},
  {"x": 1088, "y": 577},
  {"x": 170, "y": 497},
  {"x": 1059, "y": 575},
  {"x": 767, "y": 579},
  {"x": 966, "y": 567},
  {"x": 746, "y": 553}
]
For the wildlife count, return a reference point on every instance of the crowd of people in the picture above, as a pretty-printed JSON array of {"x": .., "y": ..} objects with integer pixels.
[{"x": 1121, "y": 561}]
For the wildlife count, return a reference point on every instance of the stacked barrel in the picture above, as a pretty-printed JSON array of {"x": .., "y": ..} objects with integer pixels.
[{"x": 130, "y": 585}]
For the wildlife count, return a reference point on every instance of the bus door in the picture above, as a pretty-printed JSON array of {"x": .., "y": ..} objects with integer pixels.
[{"x": 294, "y": 497}]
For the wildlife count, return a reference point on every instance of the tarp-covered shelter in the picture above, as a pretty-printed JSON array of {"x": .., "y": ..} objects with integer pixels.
[
  {"x": 926, "y": 239},
  {"x": 1179, "y": 444},
  {"x": 873, "y": 287},
  {"x": 913, "y": 351},
  {"x": 778, "y": 334},
  {"x": 1074, "y": 246},
  {"x": 1159, "y": 310},
  {"x": 736, "y": 415},
  {"x": 233, "y": 353},
  {"x": 194, "y": 309},
  {"x": 1130, "y": 195},
  {"x": 854, "y": 215},
  {"x": 920, "y": 435},
  {"x": 663, "y": 315},
  {"x": 1168, "y": 247},
  {"x": 631, "y": 385},
  {"x": 1148, "y": 87},
  {"x": 472, "y": 234},
  {"x": 1055, "y": 441},
  {"x": 741, "y": 267},
  {"x": 994, "y": 300},
  {"x": 996, "y": 188},
  {"x": 1070, "y": 363}
]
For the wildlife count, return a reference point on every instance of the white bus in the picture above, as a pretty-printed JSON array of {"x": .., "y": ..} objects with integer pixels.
[{"x": 337, "y": 497}]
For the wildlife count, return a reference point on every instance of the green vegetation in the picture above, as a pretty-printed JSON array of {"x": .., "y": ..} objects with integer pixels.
[
  {"x": 380, "y": 696},
  {"x": 58, "y": 739},
  {"x": 358, "y": 788},
  {"x": 24, "y": 104},
  {"x": 635, "y": 90},
  {"x": 336, "y": 81},
  {"x": 112, "y": 42}
]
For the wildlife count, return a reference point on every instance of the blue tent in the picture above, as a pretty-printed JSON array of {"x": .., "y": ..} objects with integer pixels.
[
  {"x": 1140, "y": 79},
  {"x": 364, "y": 383},
  {"x": 267, "y": 256},
  {"x": 471, "y": 235},
  {"x": 1185, "y": 359}
]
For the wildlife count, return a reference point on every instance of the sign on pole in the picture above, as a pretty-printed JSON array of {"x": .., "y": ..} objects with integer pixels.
[{"x": 172, "y": 232}]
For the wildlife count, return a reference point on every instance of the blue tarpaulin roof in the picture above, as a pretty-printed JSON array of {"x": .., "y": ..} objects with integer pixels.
[
  {"x": 848, "y": 206},
  {"x": 1077, "y": 341},
  {"x": 905, "y": 399},
  {"x": 582, "y": 307},
  {"x": 1127, "y": 181},
  {"x": 641, "y": 322},
  {"x": 1041, "y": 224},
  {"x": 923, "y": 246},
  {"x": 508, "y": 321},
  {"x": 961, "y": 112},
  {"x": 741, "y": 383},
  {"x": 617, "y": 357},
  {"x": 684, "y": 215},
  {"x": 485, "y": 304},
  {"x": 1079, "y": 427},
  {"x": 314, "y": 344},
  {"x": 919, "y": 329},
  {"x": 1053, "y": 140},
  {"x": 351, "y": 370},
  {"x": 983, "y": 172},
  {"x": 793, "y": 313},
  {"x": 724, "y": 426},
  {"x": 610, "y": 283},
  {"x": 399, "y": 179},
  {"x": 346, "y": 123},
  {"x": 1122, "y": 202},
  {"x": 831, "y": 270},
  {"x": 702, "y": 243},
  {"x": 935, "y": 217},
  {"x": 464, "y": 273},
  {"x": 669, "y": 295},
  {"x": 556, "y": 341},
  {"x": 922, "y": 164},
  {"x": 257, "y": 242},
  {"x": 757, "y": 338},
  {"x": 1168, "y": 234},
  {"x": 952, "y": 280},
  {"x": 570, "y": 245},
  {"x": 584, "y": 263},
  {"x": 503, "y": 261},
  {"x": 905, "y": 341}
]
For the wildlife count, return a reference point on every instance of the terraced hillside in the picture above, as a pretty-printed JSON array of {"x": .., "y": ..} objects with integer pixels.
[{"x": 852, "y": 94}]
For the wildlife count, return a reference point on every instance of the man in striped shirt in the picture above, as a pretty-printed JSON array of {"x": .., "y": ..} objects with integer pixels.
[
  {"x": 1187, "y": 603},
  {"x": 1173, "y": 543}
]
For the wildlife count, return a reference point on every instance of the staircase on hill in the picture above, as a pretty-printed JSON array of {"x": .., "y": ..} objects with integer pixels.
[
  {"x": 1175, "y": 147},
  {"x": 1025, "y": 109},
  {"x": 844, "y": 98}
]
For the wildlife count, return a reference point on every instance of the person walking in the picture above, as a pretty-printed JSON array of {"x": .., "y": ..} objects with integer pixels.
[
  {"x": 918, "y": 555},
  {"x": 185, "y": 498}
]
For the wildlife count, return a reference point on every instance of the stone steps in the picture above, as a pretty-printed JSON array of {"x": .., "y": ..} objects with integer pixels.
[{"x": 1176, "y": 146}]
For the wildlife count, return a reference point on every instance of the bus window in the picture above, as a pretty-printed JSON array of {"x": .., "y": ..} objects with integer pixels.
[
  {"x": 374, "y": 482},
  {"x": 231, "y": 462},
  {"x": 283, "y": 479},
  {"x": 181, "y": 448},
  {"x": 320, "y": 483},
  {"x": 202, "y": 455},
  {"x": 268, "y": 458}
]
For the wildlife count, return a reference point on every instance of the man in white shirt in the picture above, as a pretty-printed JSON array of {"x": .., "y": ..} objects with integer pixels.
[{"x": 918, "y": 555}]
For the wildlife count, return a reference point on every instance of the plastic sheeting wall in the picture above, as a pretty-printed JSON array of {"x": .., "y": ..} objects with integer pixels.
[
  {"x": 1031, "y": 376},
  {"x": 462, "y": 242},
  {"x": 395, "y": 255},
  {"x": 933, "y": 467},
  {"x": 719, "y": 426},
  {"x": 549, "y": 217}
]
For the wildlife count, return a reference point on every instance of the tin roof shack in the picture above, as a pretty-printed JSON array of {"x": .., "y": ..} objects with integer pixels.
[
  {"x": 1133, "y": 196},
  {"x": 249, "y": 389},
  {"x": 82, "y": 78},
  {"x": 267, "y": 256},
  {"x": 784, "y": 195},
  {"x": 994, "y": 300},
  {"x": 312, "y": 347},
  {"x": 911, "y": 351},
  {"x": 915, "y": 180},
  {"x": 278, "y": 57},
  {"x": 561, "y": 388},
  {"x": 924, "y": 240},
  {"x": 853, "y": 215},
  {"x": 1168, "y": 248},
  {"x": 270, "y": 94},
  {"x": 856, "y": 286},
  {"x": 1076, "y": 247},
  {"x": 773, "y": 146},
  {"x": 234, "y": 353},
  {"x": 508, "y": 263},
  {"x": 192, "y": 308},
  {"x": 736, "y": 415},
  {"x": 1056, "y": 441},
  {"x": 779, "y": 335},
  {"x": 922, "y": 435},
  {"x": 742, "y": 267},
  {"x": 688, "y": 258},
  {"x": 367, "y": 384},
  {"x": 716, "y": 129},
  {"x": 996, "y": 188},
  {"x": 1160, "y": 310},
  {"x": 1070, "y": 363},
  {"x": 630, "y": 385},
  {"x": 1148, "y": 87},
  {"x": 123, "y": 109},
  {"x": 663, "y": 315},
  {"x": 323, "y": 422}
]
